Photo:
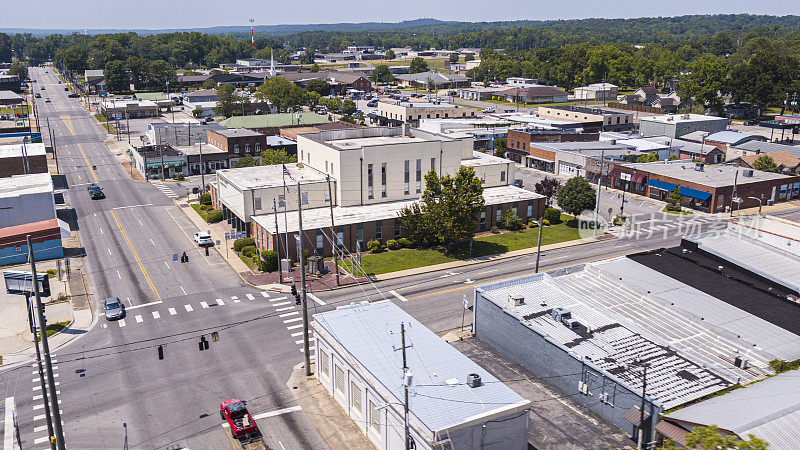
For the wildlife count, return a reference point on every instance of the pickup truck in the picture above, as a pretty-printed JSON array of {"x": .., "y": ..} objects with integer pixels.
[{"x": 243, "y": 427}]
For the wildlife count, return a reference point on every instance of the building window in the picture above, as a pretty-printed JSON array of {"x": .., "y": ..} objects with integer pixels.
[
  {"x": 327, "y": 196},
  {"x": 258, "y": 149},
  {"x": 483, "y": 220},
  {"x": 320, "y": 243},
  {"x": 235, "y": 150},
  {"x": 499, "y": 214},
  {"x": 340, "y": 236},
  {"x": 502, "y": 179},
  {"x": 359, "y": 235},
  {"x": 338, "y": 379},
  {"x": 433, "y": 163},
  {"x": 281, "y": 203},
  {"x": 369, "y": 182},
  {"x": 419, "y": 176},
  {"x": 304, "y": 197},
  {"x": 256, "y": 207},
  {"x": 530, "y": 211},
  {"x": 374, "y": 417},
  {"x": 378, "y": 232},
  {"x": 383, "y": 180},
  {"x": 324, "y": 361},
  {"x": 406, "y": 175},
  {"x": 397, "y": 229},
  {"x": 246, "y": 150},
  {"x": 355, "y": 395}
]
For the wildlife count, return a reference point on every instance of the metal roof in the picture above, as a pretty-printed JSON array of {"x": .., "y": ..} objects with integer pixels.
[
  {"x": 273, "y": 120},
  {"x": 732, "y": 137},
  {"x": 768, "y": 409},
  {"x": 769, "y": 147},
  {"x": 606, "y": 338},
  {"x": 719, "y": 175},
  {"x": 439, "y": 397}
]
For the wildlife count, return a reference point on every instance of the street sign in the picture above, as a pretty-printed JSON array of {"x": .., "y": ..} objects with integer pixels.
[
  {"x": 21, "y": 283},
  {"x": 174, "y": 256},
  {"x": 218, "y": 243},
  {"x": 227, "y": 236},
  {"x": 464, "y": 301}
]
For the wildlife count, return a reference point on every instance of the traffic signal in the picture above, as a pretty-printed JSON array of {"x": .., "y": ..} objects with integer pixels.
[
  {"x": 215, "y": 336},
  {"x": 203, "y": 345},
  {"x": 160, "y": 352},
  {"x": 294, "y": 290},
  {"x": 296, "y": 295}
]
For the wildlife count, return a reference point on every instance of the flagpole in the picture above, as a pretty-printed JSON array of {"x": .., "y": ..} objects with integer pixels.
[{"x": 285, "y": 222}]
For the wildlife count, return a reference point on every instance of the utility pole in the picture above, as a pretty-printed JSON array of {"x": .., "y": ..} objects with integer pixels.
[
  {"x": 277, "y": 240},
  {"x": 161, "y": 152},
  {"x": 202, "y": 167},
  {"x": 597, "y": 201},
  {"x": 303, "y": 281},
  {"x": 45, "y": 397},
  {"x": 539, "y": 247},
  {"x": 333, "y": 232},
  {"x": 127, "y": 126},
  {"x": 406, "y": 382},
  {"x": 641, "y": 411},
  {"x": 59, "y": 433}
]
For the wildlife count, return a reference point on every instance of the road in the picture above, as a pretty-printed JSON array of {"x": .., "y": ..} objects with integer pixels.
[{"x": 114, "y": 391}]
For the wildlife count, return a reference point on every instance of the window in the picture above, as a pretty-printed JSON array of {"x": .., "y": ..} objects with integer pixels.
[
  {"x": 369, "y": 182},
  {"x": 256, "y": 207},
  {"x": 530, "y": 210},
  {"x": 359, "y": 235},
  {"x": 338, "y": 379},
  {"x": 258, "y": 149},
  {"x": 383, "y": 180},
  {"x": 246, "y": 150},
  {"x": 374, "y": 417},
  {"x": 281, "y": 203},
  {"x": 308, "y": 156},
  {"x": 502, "y": 178},
  {"x": 320, "y": 242},
  {"x": 499, "y": 213},
  {"x": 327, "y": 196},
  {"x": 433, "y": 163},
  {"x": 419, "y": 176},
  {"x": 324, "y": 362},
  {"x": 378, "y": 231},
  {"x": 340, "y": 236},
  {"x": 236, "y": 148},
  {"x": 483, "y": 178},
  {"x": 397, "y": 228},
  {"x": 406, "y": 175},
  {"x": 355, "y": 396}
]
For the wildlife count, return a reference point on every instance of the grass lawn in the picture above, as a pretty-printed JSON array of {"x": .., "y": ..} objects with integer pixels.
[
  {"x": 54, "y": 328},
  {"x": 21, "y": 109},
  {"x": 107, "y": 125},
  {"x": 249, "y": 262},
  {"x": 483, "y": 246},
  {"x": 196, "y": 207}
]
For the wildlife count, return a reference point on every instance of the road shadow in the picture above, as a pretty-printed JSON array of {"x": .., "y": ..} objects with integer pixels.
[
  {"x": 60, "y": 182},
  {"x": 69, "y": 216}
]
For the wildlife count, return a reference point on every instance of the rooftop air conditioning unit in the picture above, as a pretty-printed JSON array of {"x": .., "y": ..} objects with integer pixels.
[
  {"x": 742, "y": 363},
  {"x": 686, "y": 116},
  {"x": 699, "y": 167},
  {"x": 747, "y": 173},
  {"x": 560, "y": 314},
  {"x": 516, "y": 300},
  {"x": 571, "y": 323}
]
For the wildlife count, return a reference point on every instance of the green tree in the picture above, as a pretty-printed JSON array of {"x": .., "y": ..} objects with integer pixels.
[
  {"x": 765, "y": 163},
  {"x": 382, "y": 74},
  {"x": 282, "y": 93},
  {"x": 273, "y": 156},
  {"x": 705, "y": 80},
  {"x": 500, "y": 147},
  {"x": 453, "y": 58},
  {"x": 418, "y": 65},
  {"x": 576, "y": 196},
  {"x": 18, "y": 68},
  {"x": 647, "y": 157},
  {"x": 228, "y": 101},
  {"x": 159, "y": 73},
  {"x": 116, "y": 77},
  {"x": 469, "y": 57},
  {"x": 510, "y": 220},
  {"x": 765, "y": 78},
  {"x": 319, "y": 86},
  {"x": 710, "y": 438},
  {"x": 348, "y": 107},
  {"x": 74, "y": 58},
  {"x": 195, "y": 113},
  {"x": 308, "y": 57},
  {"x": 389, "y": 54},
  {"x": 209, "y": 84},
  {"x": 313, "y": 69},
  {"x": 675, "y": 200},
  {"x": 548, "y": 187},
  {"x": 447, "y": 212},
  {"x": 245, "y": 161}
]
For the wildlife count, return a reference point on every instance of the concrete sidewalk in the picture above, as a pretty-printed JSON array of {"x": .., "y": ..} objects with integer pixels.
[
  {"x": 777, "y": 207},
  {"x": 218, "y": 231}
]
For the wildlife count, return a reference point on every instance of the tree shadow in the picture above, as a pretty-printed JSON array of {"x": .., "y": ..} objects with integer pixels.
[{"x": 479, "y": 248}]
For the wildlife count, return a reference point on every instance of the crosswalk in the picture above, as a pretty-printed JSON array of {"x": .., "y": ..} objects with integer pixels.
[
  {"x": 290, "y": 312},
  {"x": 165, "y": 190},
  {"x": 40, "y": 435},
  {"x": 668, "y": 227}
]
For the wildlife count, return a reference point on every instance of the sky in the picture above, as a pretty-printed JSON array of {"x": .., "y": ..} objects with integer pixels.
[{"x": 160, "y": 14}]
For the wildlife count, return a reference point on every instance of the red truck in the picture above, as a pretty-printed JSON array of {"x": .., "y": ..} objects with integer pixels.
[{"x": 243, "y": 427}]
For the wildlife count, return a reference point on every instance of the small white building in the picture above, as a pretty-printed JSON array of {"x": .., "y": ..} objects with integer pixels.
[
  {"x": 453, "y": 402},
  {"x": 597, "y": 91}
]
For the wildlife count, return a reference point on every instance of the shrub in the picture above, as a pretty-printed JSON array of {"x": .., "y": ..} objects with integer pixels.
[
  {"x": 249, "y": 251},
  {"x": 374, "y": 246},
  {"x": 495, "y": 230},
  {"x": 533, "y": 224},
  {"x": 510, "y": 220},
  {"x": 619, "y": 220},
  {"x": 240, "y": 244},
  {"x": 268, "y": 261},
  {"x": 205, "y": 198},
  {"x": 545, "y": 222},
  {"x": 179, "y": 177},
  {"x": 393, "y": 244},
  {"x": 50, "y": 273},
  {"x": 405, "y": 242},
  {"x": 214, "y": 216},
  {"x": 552, "y": 215}
]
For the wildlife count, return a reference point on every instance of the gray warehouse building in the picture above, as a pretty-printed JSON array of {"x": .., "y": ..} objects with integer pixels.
[{"x": 677, "y": 125}]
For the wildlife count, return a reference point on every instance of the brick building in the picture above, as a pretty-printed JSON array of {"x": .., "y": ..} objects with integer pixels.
[
  {"x": 19, "y": 159},
  {"x": 237, "y": 141},
  {"x": 518, "y": 141}
]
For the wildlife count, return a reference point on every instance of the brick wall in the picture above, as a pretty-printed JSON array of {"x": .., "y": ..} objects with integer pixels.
[{"x": 16, "y": 165}]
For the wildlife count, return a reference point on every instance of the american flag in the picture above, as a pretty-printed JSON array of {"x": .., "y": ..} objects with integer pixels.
[{"x": 286, "y": 172}]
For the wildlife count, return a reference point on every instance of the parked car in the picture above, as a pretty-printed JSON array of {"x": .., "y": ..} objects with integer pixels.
[
  {"x": 518, "y": 182},
  {"x": 38, "y": 95},
  {"x": 751, "y": 122},
  {"x": 509, "y": 110},
  {"x": 95, "y": 191},
  {"x": 234, "y": 411},
  {"x": 372, "y": 104},
  {"x": 114, "y": 308},
  {"x": 202, "y": 238},
  {"x": 47, "y": 100},
  {"x": 73, "y": 95},
  {"x": 66, "y": 88},
  {"x": 41, "y": 88},
  {"x": 59, "y": 81},
  {"x": 488, "y": 110}
]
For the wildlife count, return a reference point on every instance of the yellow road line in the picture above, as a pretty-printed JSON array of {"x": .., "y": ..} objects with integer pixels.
[
  {"x": 136, "y": 257},
  {"x": 517, "y": 276},
  {"x": 68, "y": 123}
]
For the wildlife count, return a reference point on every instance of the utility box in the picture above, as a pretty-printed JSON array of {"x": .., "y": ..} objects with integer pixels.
[{"x": 285, "y": 265}]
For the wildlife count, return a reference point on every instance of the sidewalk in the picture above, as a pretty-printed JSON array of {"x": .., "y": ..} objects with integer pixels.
[
  {"x": 328, "y": 418},
  {"x": 767, "y": 209},
  {"x": 120, "y": 150},
  {"x": 218, "y": 231}
]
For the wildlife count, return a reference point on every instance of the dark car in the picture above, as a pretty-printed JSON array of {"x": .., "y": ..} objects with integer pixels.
[
  {"x": 38, "y": 95},
  {"x": 751, "y": 122},
  {"x": 372, "y": 104},
  {"x": 73, "y": 95},
  {"x": 95, "y": 191},
  {"x": 518, "y": 182},
  {"x": 66, "y": 88}
]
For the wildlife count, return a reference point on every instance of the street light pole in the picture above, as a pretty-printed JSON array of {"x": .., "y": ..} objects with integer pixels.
[
  {"x": 539, "y": 247},
  {"x": 759, "y": 204}
]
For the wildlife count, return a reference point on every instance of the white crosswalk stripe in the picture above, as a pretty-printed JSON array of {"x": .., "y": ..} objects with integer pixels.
[
  {"x": 285, "y": 308},
  {"x": 172, "y": 311},
  {"x": 188, "y": 307},
  {"x": 203, "y": 304},
  {"x": 220, "y": 302},
  {"x": 281, "y": 304},
  {"x": 138, "y": 318},
  {"x": 249, "y": 296},
  {"x": 165, "y": 190},
  {"x": 264, "y": 294},
  {"x": 156, "y": 314}
]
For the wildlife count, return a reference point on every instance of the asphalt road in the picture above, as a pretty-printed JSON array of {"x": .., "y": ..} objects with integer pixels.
[{"x": 114, "y": 391}]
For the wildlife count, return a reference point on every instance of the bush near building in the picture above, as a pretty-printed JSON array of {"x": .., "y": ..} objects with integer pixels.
[
  {"x": 239, "y": 244},
  {"x": 205, "y": 199},
  {"x": 552, "y": 215},
  {"x": 214, "y": 216},
  {"x": 268, "y": 261},
  {"x": 374, "y": 246},
  {"x": 510, "y": 220}
]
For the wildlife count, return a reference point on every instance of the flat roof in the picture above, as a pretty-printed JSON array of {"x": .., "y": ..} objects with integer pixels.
[
  {"x": 195, "y": 149},
  {"x": 16, "y": 150},
  {"x": 442, "y": 400},
  {"x": 681, "y": 118},
  {"x": 589, "y": 148},
  {"x": 536, "y": 120},
  {"x": 718, "y": 175},
  {"x": 484, "y": 159},
  {"x": 317, "y": 218},
  {"x": 17, "y": 185},
  {"x": 271, "y": 176},
  {"x": 236, "y": 132},
  {"x": 607, "y": 341},
  {"x": 421, "y": 104},
  {"x": 273, "y": 120}
]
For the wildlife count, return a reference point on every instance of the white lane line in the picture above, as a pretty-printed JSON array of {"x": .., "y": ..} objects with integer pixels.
[
  {"x": 219, "y": 300},
  {"x": 296, "y": 319},
  {"x": 156, "y": 314},
  {"x": 138, "y": 317},
  {"x": 121, "y": 322},
  {"x": 101, "y": 232},
  {"x": 172, "y": 311},
  {"x": 151, "y": 241},
  {"x": 140, "y": 224},
  {"x": 263, "y": 293},
  {"x": 294, "y": 327},
  {"x": 165, "y": 263},
  {"x": 249, "y": 296},
  {"x": 188, "y": 307},
  {"x": 293, "y": 313},
  {"x": 285, "y": 308},
  {"x": 184, "y": 290},
  {"x": 277, "y": 412},
  {"x": 144, "y": 304},
  {"x": 118, "y": 276},
  {"x": 8, "y": 436},
  {"x": 277, "y": 299},
  {"x": 299, "y": 333},
  {"x": 274, "y": 304},
  {"x": 316, "y": 299},
  {"x": 109, "y": 254},
  {"x": 403, "y": 299},
  {"x": 203, "y": 304}
]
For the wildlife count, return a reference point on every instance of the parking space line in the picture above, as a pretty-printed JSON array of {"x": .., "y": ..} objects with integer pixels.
[
  {"x": 264, "y": 294},
  {"x": 316, "y": 299},
  {"x": 156, "y": 314},
  {"x": 219, "y": 300},
  {"x": 172, "y": 311},
  {"x": 121, "y": 322},
  {"x": 138, "y": 317},
  {"x": 249, "y": 296},
  {"x": 188, "y": 308},
  {"x": 203, "y": 304}
]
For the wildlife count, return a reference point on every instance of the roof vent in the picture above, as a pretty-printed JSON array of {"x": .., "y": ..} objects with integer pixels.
[
  {"x": 699, "y": 166},
  {"x": 747, "y": 173},
  {"x": 559, "y": 314},
  {"x": 516, "y": 300},
  {"x": 473, "y": 380}
]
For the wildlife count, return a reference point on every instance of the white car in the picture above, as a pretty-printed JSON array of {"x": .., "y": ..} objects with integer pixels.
[
  {"x": 202, "y": 238},
  {"x": 488, "y": 110}
]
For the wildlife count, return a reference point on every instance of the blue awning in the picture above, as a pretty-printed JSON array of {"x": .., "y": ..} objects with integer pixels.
[
  {"x": 694, "y": 193},
  {"x": 658, "y": 184}
]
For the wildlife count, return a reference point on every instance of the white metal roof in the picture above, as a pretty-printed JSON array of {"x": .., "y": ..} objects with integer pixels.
[
  {"x": 16, "y": 150},
  {"x": 26, "y": 184}
]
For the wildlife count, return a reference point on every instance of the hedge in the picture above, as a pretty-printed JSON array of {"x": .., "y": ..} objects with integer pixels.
[
  {"x": 214, "y": 216},
  {"x": 249, "y": 251},
  {"x": 270, "y": 261},
  {"x": 239, "y": 244},
  {"x": 205, "y": 198},
  {"x": 552, "y": 215}
]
